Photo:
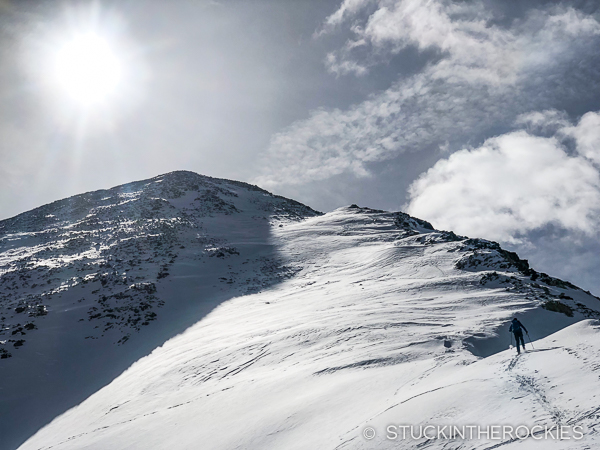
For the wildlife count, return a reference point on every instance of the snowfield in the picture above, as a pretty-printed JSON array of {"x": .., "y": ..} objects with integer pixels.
[{"x": 280, "y": 328}]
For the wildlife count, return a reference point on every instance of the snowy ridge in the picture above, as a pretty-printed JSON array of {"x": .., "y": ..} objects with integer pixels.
[
  {"x": 90, "y": 284},
  {"x": 379, "y": 322},
  {"x": 106, "y": 238}
]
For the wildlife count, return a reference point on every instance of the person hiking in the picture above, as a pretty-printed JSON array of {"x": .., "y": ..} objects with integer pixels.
[{"x": 517, "y": 328}]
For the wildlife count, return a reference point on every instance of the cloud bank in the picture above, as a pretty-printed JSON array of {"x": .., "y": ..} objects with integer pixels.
[{"x": 517, "y": 183}]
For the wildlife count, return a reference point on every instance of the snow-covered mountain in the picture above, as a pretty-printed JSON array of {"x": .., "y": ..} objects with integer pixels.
[
  {"x": 269, "y": 325},
  {"x": 90, "y": 284}
]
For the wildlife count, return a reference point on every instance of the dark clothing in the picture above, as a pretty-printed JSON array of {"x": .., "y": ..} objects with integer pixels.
[
  {"x": 519, "y": 337},
  {"x": 517, "y": 328}
]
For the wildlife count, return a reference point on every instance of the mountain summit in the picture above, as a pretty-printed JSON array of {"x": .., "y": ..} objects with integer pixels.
[
  {"x": 91, "y": 283},
  {"x": 187, "y": 311}
]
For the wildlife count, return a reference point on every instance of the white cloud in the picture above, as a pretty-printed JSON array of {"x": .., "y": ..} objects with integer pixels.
[
  {"x": 475, "y": 49},
  {"x": 347, "y": 8},
  {"x": 485, "y": 77},
  {"x": 515, "y": 184},
  {"x": 345, "y": 66},
  {"x": 550, "y": 120},
  {"x": 587, "y": 136}
]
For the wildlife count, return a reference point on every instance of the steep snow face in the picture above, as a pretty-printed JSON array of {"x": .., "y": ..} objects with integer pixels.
[
  {"x": 90, "y": 284},
  {"x": 380, "y": 324}
]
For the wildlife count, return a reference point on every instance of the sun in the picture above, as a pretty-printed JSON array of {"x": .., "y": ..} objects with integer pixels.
[{"x": 87, "y": 69}]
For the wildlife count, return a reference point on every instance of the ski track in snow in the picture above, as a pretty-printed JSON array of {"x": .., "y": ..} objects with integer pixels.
[{"x": 369, "y": 318}]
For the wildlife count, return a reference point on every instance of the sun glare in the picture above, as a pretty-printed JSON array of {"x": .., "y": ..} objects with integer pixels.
[{"x": 87, "y": 69}]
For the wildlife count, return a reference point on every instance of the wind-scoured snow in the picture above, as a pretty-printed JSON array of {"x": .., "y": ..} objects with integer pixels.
[
  {"x": 377, "y": 319},
  {"x": 92, "y": 283}
]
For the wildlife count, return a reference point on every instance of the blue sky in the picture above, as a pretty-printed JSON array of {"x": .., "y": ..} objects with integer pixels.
[{"x": 481, "y": 117}]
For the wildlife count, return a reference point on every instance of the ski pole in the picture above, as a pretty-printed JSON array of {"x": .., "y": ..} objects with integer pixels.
[
  {"x": 511, "y": 346},
  {"x": 530, "y": 341}
]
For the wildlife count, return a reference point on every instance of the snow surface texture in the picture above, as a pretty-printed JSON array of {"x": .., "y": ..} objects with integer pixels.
[
  {"x": 369, "y": 318},
  {"x": 90, "y": 284}
]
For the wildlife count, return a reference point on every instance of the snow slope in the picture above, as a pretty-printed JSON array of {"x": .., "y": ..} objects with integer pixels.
[
  {"x": 92, "y": 283},
  {"x": 384, "y": 320}
]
